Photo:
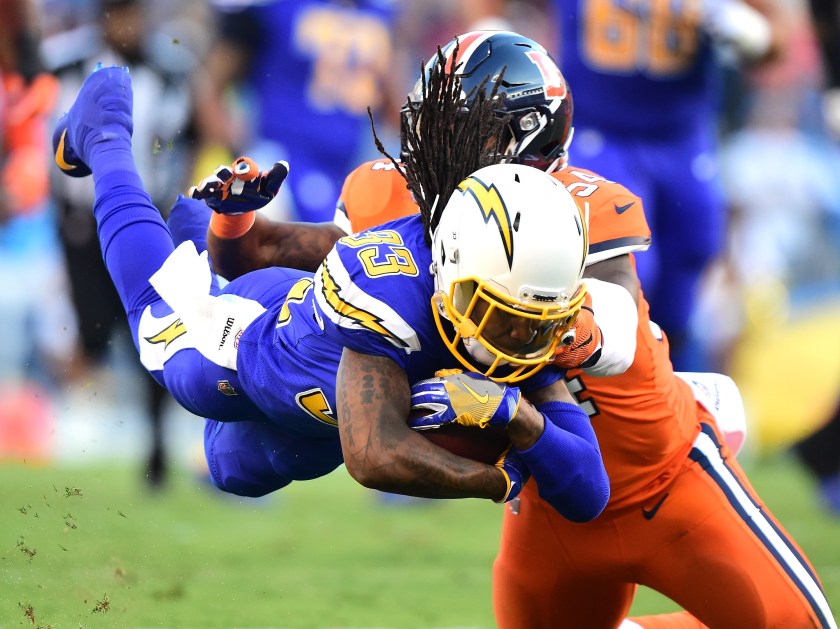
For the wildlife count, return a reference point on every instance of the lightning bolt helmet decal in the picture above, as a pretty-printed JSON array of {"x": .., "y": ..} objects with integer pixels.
[{"x": 491, "y": 205}]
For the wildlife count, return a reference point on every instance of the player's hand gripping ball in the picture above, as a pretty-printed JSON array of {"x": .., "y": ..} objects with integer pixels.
[
  {"x": 482, "y": 445},
  {"x": 514, "y": 470},
  {"x": 465, "y": 414},
  {"x": 469, "y": 399},
  {"x": 241, "y": 187}
]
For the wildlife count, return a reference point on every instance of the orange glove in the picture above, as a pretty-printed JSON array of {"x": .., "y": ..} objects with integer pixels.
[{"x": 581, "y": 345}]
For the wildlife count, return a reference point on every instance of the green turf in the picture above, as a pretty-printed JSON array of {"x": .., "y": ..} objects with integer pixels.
[{"x": 88, "y": 547}]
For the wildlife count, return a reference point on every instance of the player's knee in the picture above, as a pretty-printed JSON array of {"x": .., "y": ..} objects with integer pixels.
[
  {"x": 234, "y": 468},
  {"x": 242, "y": 486},
  {"x": 228, "y": 474}
]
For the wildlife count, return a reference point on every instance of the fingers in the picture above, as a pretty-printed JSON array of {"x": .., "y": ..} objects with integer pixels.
[
  {"x": 273, "y": 178},
  {"x": 429, "y": 416},
  {"x": 580, "y": 343},
  {"x": 240, "y": 187},
  {"x": 515, "y": 473},
  {"x": 245, "y": 169},
  {"x": 430, "y": 406}
]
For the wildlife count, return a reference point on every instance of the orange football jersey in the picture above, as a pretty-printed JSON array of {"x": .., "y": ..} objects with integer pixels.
[{"x": 645, "y": 419}]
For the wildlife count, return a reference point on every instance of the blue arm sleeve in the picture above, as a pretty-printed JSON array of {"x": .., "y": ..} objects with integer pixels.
[{"x": 566, "y": 463}]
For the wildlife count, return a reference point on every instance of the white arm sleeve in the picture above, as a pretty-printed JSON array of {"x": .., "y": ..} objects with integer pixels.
[{"x": 615, "y": 313}]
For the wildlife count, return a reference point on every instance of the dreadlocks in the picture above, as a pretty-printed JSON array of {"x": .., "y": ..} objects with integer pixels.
[{"x": 450, "y": 136}]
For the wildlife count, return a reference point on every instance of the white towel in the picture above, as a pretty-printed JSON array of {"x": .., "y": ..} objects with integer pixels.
[
  {"x": 214, "y": 324},
  {"x": 720, "y": 396}
]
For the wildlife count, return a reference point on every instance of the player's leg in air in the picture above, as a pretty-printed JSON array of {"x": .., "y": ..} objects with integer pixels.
[
  {"x": 258, "y": 457},
  {"x": 249, "y": 458},
  {"x": 96, "y": 135}
]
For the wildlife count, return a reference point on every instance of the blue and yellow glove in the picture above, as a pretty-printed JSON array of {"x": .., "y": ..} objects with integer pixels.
[
  {"x": 469, "y": 399},
  {"x": 240, "y": 188},
  {"x": 511, "y": 465}
]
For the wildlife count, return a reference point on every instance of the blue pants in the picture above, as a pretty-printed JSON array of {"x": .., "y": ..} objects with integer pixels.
[{"x": 249, "y": 456}]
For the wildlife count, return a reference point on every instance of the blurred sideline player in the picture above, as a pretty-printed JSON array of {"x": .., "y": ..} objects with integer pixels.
[
  {"x": 646, "y": 79},
  {"x": 307, "y": 70},
  {"x": 682, "y": 518},
  {"x": 310, "y": 372},
  {"x": 819, "y": 451},
  {"x": 27, "y": 97}
]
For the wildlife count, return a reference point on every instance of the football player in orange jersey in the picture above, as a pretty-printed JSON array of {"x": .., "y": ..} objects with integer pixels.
[{"x": 682, "y": 517}]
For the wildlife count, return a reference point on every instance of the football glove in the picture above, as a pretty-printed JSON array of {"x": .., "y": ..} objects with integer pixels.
[
  {"x": 741, "y": 31},
  {"x": 241, "y": 187},
  {"x": 581, "y": 345},
  {"x": 515, "y": 472},
  {"x": 469, "y": 399}
]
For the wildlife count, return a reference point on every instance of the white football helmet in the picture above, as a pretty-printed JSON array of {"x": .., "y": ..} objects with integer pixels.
[{"x": 508, "y": 252}]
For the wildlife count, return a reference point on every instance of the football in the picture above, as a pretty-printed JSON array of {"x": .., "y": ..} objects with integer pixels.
[{"x": 484, "y": 445}]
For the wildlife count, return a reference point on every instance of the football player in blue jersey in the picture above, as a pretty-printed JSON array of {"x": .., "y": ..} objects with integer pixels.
[
  {"x": 648, "y": 420},
  {"x": 648, "y": 83},
  {"x": 307, "y": 69},
  {"x": 486, "y": 277}
]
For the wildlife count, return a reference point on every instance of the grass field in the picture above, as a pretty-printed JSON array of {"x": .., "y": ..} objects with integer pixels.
[{"x": 88, "y": 547}]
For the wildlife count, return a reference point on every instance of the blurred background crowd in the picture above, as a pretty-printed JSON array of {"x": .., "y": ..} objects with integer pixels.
[{"x": 293, "y": 80}]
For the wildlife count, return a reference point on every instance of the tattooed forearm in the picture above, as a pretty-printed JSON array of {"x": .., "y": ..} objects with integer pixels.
[
  {"x": 380, "y": 451},
  {"x": 300, "y": 245},
  {"x": 294, "y": 245}
]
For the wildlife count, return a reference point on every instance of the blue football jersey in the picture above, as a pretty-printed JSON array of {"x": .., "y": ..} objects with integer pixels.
[
  {"x": 316, "y": 66},
  {"x": 636, "y": 66},
  {"x": 285, "y": 363},
  {"x": 373, "y": 295},
  {"x": 374, "y": 292}
]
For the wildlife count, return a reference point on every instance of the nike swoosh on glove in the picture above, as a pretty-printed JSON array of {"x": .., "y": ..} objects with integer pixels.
[
  {"x": 469, "y": 399},
  {"x": 515, "y": 472}
]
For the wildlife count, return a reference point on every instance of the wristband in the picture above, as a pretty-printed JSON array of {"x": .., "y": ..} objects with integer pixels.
[{"x": 229, "y": 226}]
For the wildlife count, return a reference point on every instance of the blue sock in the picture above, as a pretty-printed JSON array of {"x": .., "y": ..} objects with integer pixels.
[{"x": 134, "y": 238}]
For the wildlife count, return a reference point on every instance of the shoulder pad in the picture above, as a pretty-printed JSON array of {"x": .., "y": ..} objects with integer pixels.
[
  {"x": 616, "y": 216},
  {"x": 375, "y": 193}
]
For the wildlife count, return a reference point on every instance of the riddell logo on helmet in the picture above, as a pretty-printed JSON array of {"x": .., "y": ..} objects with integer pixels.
[
  {"x": 537, "y": 297},
  {"x": 524, "y": 93}
]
